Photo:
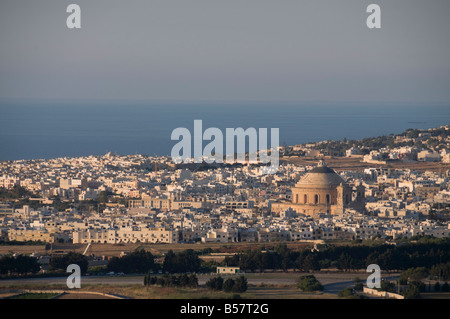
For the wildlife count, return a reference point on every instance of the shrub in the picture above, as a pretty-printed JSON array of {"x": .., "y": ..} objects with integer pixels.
[
  {"x": 437, "y": 287},
  {"x": 346, "y": 293},
  {"x": 309, "y": 283},
  {"x": 240, "y": 284},
  {"x": 228, "y": 285},
  {"x": 171, "y": 280},
  {"x": 215, "y": 283},
  {"x": 358, "y": 284}
]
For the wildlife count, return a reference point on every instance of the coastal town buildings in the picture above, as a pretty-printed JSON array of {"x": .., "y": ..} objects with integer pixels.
[{"x": 144, "y": 199}]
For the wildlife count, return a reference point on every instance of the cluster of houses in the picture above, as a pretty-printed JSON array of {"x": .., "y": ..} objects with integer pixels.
[{"x": 153, "y": 201}]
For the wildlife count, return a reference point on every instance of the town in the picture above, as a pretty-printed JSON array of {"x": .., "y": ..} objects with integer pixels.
[{"x": 148, "y": 199}]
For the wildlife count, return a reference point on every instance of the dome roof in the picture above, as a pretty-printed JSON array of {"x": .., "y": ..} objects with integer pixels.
[{"x": 320, "y": 176}]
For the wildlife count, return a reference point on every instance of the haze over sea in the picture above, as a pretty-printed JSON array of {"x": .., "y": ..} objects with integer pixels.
[{"x": 30, "y": 130}]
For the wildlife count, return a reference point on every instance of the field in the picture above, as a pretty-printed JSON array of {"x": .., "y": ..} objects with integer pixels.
[
  {"x": 277, "y": 285},
  {"x": 33, "y": 295},
  {"x": 140, "y": 292},
  {"x": 156, "y": 249},
  {"x": 355, "y": 164}
]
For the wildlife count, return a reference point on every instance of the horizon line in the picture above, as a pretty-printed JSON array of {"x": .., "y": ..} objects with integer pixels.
[{"x": 218, "y": 101}]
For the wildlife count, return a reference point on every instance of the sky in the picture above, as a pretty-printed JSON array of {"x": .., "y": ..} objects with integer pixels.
[{"x": 244, "y": 50}]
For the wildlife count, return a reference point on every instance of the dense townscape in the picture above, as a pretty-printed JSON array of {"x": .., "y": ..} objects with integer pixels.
[{"x": 138, "y": 198}]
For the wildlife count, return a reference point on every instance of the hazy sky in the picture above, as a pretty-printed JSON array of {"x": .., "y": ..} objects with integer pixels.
[{"x": 276, "y": 50}]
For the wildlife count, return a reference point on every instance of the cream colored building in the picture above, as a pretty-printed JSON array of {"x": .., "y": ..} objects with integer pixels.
[
  {"x": 125, "y": 235},
  {"x": 166, "y": 204},
  {"x": 221, "y": 236},
  {"x": 150, "y": 202},
  {"x": 30, "y": 235},
  {"x": 228, "y": 270}
]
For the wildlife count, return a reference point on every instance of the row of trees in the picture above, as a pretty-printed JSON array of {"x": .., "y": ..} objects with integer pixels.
[
  {"x": 182, "y": 280},
  {"x": 14, "y": 193},
  {"x": 19, "y": 265},
  {"x": 22, "y": 264},
  {"x": 440, "y": 271},
  {"x": 185, "y": 261},
  {"x": 60, "y": 263},
  {"x": 141, "y": 261},
  {"x": 388, "y": 257},
  {"x": 431, "y": 256},
  {"x": 229, "y": 285}
]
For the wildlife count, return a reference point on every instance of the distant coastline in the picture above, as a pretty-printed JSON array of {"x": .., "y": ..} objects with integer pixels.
[{"x": 48, "y": 131}]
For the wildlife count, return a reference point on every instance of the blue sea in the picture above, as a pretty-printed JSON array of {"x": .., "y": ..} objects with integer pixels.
[{"x": 35, "y": 130}]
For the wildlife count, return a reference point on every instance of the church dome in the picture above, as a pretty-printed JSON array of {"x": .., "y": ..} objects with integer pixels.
[{"x": 320, "y": 176}]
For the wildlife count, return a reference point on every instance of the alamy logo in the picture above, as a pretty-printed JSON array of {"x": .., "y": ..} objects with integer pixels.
[
  {"x": 257, "y": 150},
  {"x": 74, "y": 19},
  {"x": 74, "y": 280},
  {"x": 374, "y": 280}
]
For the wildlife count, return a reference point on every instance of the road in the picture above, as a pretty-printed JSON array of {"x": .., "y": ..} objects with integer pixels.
[{"x": 335, "y": 287}]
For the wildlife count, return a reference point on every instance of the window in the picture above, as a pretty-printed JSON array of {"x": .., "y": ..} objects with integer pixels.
[
  {"x": 305, "y": 198},
  {"x": 316, "y": 199},
  {"x": 328, "y": 198}
]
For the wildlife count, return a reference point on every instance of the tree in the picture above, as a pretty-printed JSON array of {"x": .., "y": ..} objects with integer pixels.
[
  {"x": 103, "y": 196},
  {"x": 310, "y": 263},
  {"x": 169, "y": 260},
  {"x": 61, "y": 262},
  {"x": 346, "y": 293},
  {"x": 415, "y": 274},
  {"x": 183, "y": 280},
  {"x": 15, "y": 193},
  {"x": 309, "y": 283},
  {"x": 345, "y": 261},
  {"x": 185, "y": 261},
  {"x": 240, "y": 285},
  {"x": 139, "y": 261},
  {"x": 387, "y": 286},
  {"x": 193, "y": 281},
  {"x": 441, "y": 271},
  {"x": 147, "y": 279},
  {"x": 358, "y": 284},
  {"x": 412, "y": 292},
  {"x": 215, "y": 283},
  {"x": 228, "y": 285},
  {"x": 437, "y": 287},
  {"x": 247, "y": 262},
  {"x": 20, "y": 265}
]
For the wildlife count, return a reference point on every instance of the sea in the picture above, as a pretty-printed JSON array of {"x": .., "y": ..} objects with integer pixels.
[{"x": 51, "y": 129}]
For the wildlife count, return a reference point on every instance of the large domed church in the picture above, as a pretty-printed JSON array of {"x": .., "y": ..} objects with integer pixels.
[{"x": 321, "y": 190}]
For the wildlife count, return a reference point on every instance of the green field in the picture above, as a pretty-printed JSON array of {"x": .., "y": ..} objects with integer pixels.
[{"x": 33, "y": 295}]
